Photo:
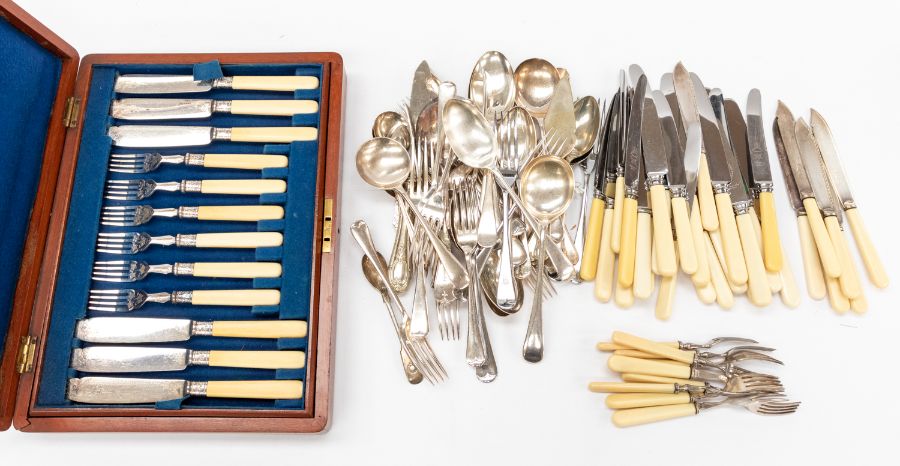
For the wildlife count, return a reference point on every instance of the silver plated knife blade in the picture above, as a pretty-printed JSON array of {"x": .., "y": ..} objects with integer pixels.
[
  {"x": 133, "y": 330},
  {"x": 684, "y": 91},
  {"x": 633, "y": 154},
  {"x": 115, "y": 390},
  {"x": 161, "y": 136},
  {"x": 740, "y": 198},
  {"x": 421, "y": 95},
  {"x": 624, "y": 102},
  {"x": 737, "y": 129},
  {"x": 835, "y": 170},
  {"x": 109, "y": 359},
  {"x": 674, "y": 147},
  {"x": 161, "y": 84},
  {"x": 760, "y": 171},
  {"x": 162, "y": 109},
  {"x": 790, "y": 186},
  {"x": 614, "y": 143},
  {"x": 656, "y": 165},
  {"x": 713, "y": 146},
  {"x": 812, "y": 161},
  {"x": 785, "y": 122},
  {"x": 604, "y": 156}
]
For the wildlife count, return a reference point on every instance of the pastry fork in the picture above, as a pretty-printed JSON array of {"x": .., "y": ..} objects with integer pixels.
[
  {"x": 137, "y": 190},
  {"x": 766, "y": 404},
  {"x": 135, "y": 242},
  {"x": 148, "y": 162},
  {"x": 129, "y": 216},
  {"x": 126, "y": 300},
  {"x": 132, "y": 271}
]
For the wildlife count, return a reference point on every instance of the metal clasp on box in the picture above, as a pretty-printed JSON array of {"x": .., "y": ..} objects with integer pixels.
[
  {"x": 70, "y": 116},
  {"x": 25, "y": 358}
]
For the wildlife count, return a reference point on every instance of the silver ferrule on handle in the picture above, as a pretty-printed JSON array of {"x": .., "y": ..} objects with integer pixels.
[
  {"x": 742, "y": 207},
  {"x": 202, "y": 328},
  {"x": 221, "y": 106},
  {"x": 221, "y": 134},
  {"x": 185, "y": 212},
  {"x": 183, "y": 268},
  {"x": 186, "y": 241},
  {"x": 654, "y": 179},
  {"x": 222, "y": 83},
  {"x": 720, "y": 188},
  {"x": 198, "y": 358},
  {"x": 644, "y": 209},
  {"x": 194, "y": 160},
  {"x": 191, "y": 186},
  {"x": 182, "y": 297},
  {"x": 678, "y": 191},
  {"x": 195, "y": 388},
  {"x": 766, "y": 187}
]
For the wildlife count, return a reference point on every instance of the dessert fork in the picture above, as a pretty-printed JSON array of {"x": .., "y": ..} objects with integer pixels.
[
  {"x": 148, "y": 162},
  {"x": 135, "y": 242},
  {"x": 129, "y": 216},
  {"x": 137, "y": 190},
  {"x": 126, "y": 300},
  {"x": 765, "y": 404},
  {"x": 132, "y": 271}
]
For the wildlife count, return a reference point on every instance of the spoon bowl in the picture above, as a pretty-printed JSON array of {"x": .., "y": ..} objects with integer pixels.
[
  {"x": 470, "y": 134},
  {"x": 518, "y": 135},
  {"x": 492, "y": 86},
  {"x": 547, "y": 186},
  {"x": 587, "y": 127},
  {"x": 391, "y": 125},
  {"x": 383, "y": 163},
  {"x": 536, "y": 80}
]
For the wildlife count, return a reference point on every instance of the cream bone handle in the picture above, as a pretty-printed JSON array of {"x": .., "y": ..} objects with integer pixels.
[
  {"x": 859, "y": 305},
  {"x": 235, "y": 269},
  {"x": 662, "y": 231},
  {"x": 637, "y": 354},
  {"x": 260, "y": 329},
  {"x": 724, "y": 295},
  {"x": 657, "y": 379},
  {"x": 773, "y": 277},
  {"x": 274, "y": 83},
  {"x": 839, "y": 302},
  {"x": 243, "y": 187},
  {"x": 652, "y": 347},
  {"x": 275, "y": 134},
  {"x": 639, "y": 416},
  {"x": 705, "y": 197},
  {"x": 240, "y": 213},
  {"x": 701, "y": 277},
  {"x": 643, "y": 400},
  {"x": 623, "y": 297},
  {"x": 648, "y": 366},
  {"x": 812, "y": 267},
  {"x": 771, "y": 239},
  {"x": 606, "y": 262},
  {"x": 258, "y": 359},
  {"x": 643, "y": 275},
  {"x": 831, "y": 266},
  {"x": 687, "y": 253},
  {"x": 628, "y": 242},
  {"x": 618, "y": 204},
  {"x": 592, "y": 239},
  {"x": 706, "y": 294},
  {"x": 849, "y": 279},
  {"x": 628, "y": 387},
  {"x": 759, "y": 291},
  {"x": 273, "y": 107},
  {"x": 790, "y": 293},
  {"x": 731, "y": 241},
  {"x": 248, "y": 297},
  {"x": 252, "y": 239},
  {"x": 244, "y": 161},
  {"x": 612, "y": 346},
  {"x": 257, "y": 389},
  {"x": 866, "y": 248}
]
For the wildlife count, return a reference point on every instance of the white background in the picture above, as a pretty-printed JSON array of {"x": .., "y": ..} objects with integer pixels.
[{"x": 843, "y": 61}]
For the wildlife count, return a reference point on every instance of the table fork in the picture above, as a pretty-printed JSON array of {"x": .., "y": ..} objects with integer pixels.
[
  {"x": 148, "y": 162},
  {"x": 132, "y": 271},
  {"x": 137, "y": 190},
  {"x": 126, "y": 300},
  {"x": 129, "y": 216},
  {"x": 135, "y": 242},
  {"x": 765, "y": 404}
]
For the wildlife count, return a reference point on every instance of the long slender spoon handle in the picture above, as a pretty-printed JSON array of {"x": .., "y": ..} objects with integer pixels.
[
  {"x": 453, "y": 267},
  {"x": 506, "y": 291},
  {"x": 399, "y": 261},
  {"x": 475, "y": 347},
  {"x": 533, "y": 350}
]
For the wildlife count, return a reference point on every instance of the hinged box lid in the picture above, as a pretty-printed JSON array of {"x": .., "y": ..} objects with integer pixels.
[{"x": 37, "y": 78}]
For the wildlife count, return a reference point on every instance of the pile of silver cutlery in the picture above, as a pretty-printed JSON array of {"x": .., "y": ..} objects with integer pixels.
[{"x": 669, "y": 380}]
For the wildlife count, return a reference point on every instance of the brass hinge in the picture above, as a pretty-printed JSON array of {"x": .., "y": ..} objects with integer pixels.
[
  {"x": 326, "y": 226},
  {"x": 25, "y": 360},
  {"x": 70, "y": 117}
]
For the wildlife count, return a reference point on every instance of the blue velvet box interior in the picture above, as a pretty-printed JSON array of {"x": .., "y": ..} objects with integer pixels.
[
  {"x": 82, "y": 226},
  {"x": 29, "y": 78}
]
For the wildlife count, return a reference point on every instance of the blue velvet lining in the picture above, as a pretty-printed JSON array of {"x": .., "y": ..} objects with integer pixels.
[
  {"x": 29, "y": 78},
  {"x": 78, "y": 253}
]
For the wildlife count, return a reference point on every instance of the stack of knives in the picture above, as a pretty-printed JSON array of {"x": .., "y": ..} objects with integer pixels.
[
  {"x": 684, "y": 182},
  {"x": 820, "y": 195},
  {"x": 93, "y": 359}
]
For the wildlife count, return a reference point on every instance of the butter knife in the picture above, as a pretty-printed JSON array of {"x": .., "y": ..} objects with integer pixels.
[
  {"x": 155, "y": 330},
  {"x": 116, "y": 390},
  {"x": 633, "y": 167},
  {"x": 180, "y": 136},
  {"x": 656, "y": 168},
  {"x": 173, "y": 109},
  {"x": 762, "y": 183},
  {"x": 177, "y": 84}
]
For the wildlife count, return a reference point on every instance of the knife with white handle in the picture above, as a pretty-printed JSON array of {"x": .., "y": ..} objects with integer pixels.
[
  {"x": 156, "y": 330},
  {"x": 177, "y": 84},
  {"x": 115, "y": 390},
  {"x": 115, "y": 359},
  {"x": 173, "y": 109},
  {"x": 179, "y": 136}
]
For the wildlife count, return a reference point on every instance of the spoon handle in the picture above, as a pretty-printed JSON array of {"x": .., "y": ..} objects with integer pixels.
[
  {"x": 451, "y": 264},
  {"x": 533, "y": 349}
]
